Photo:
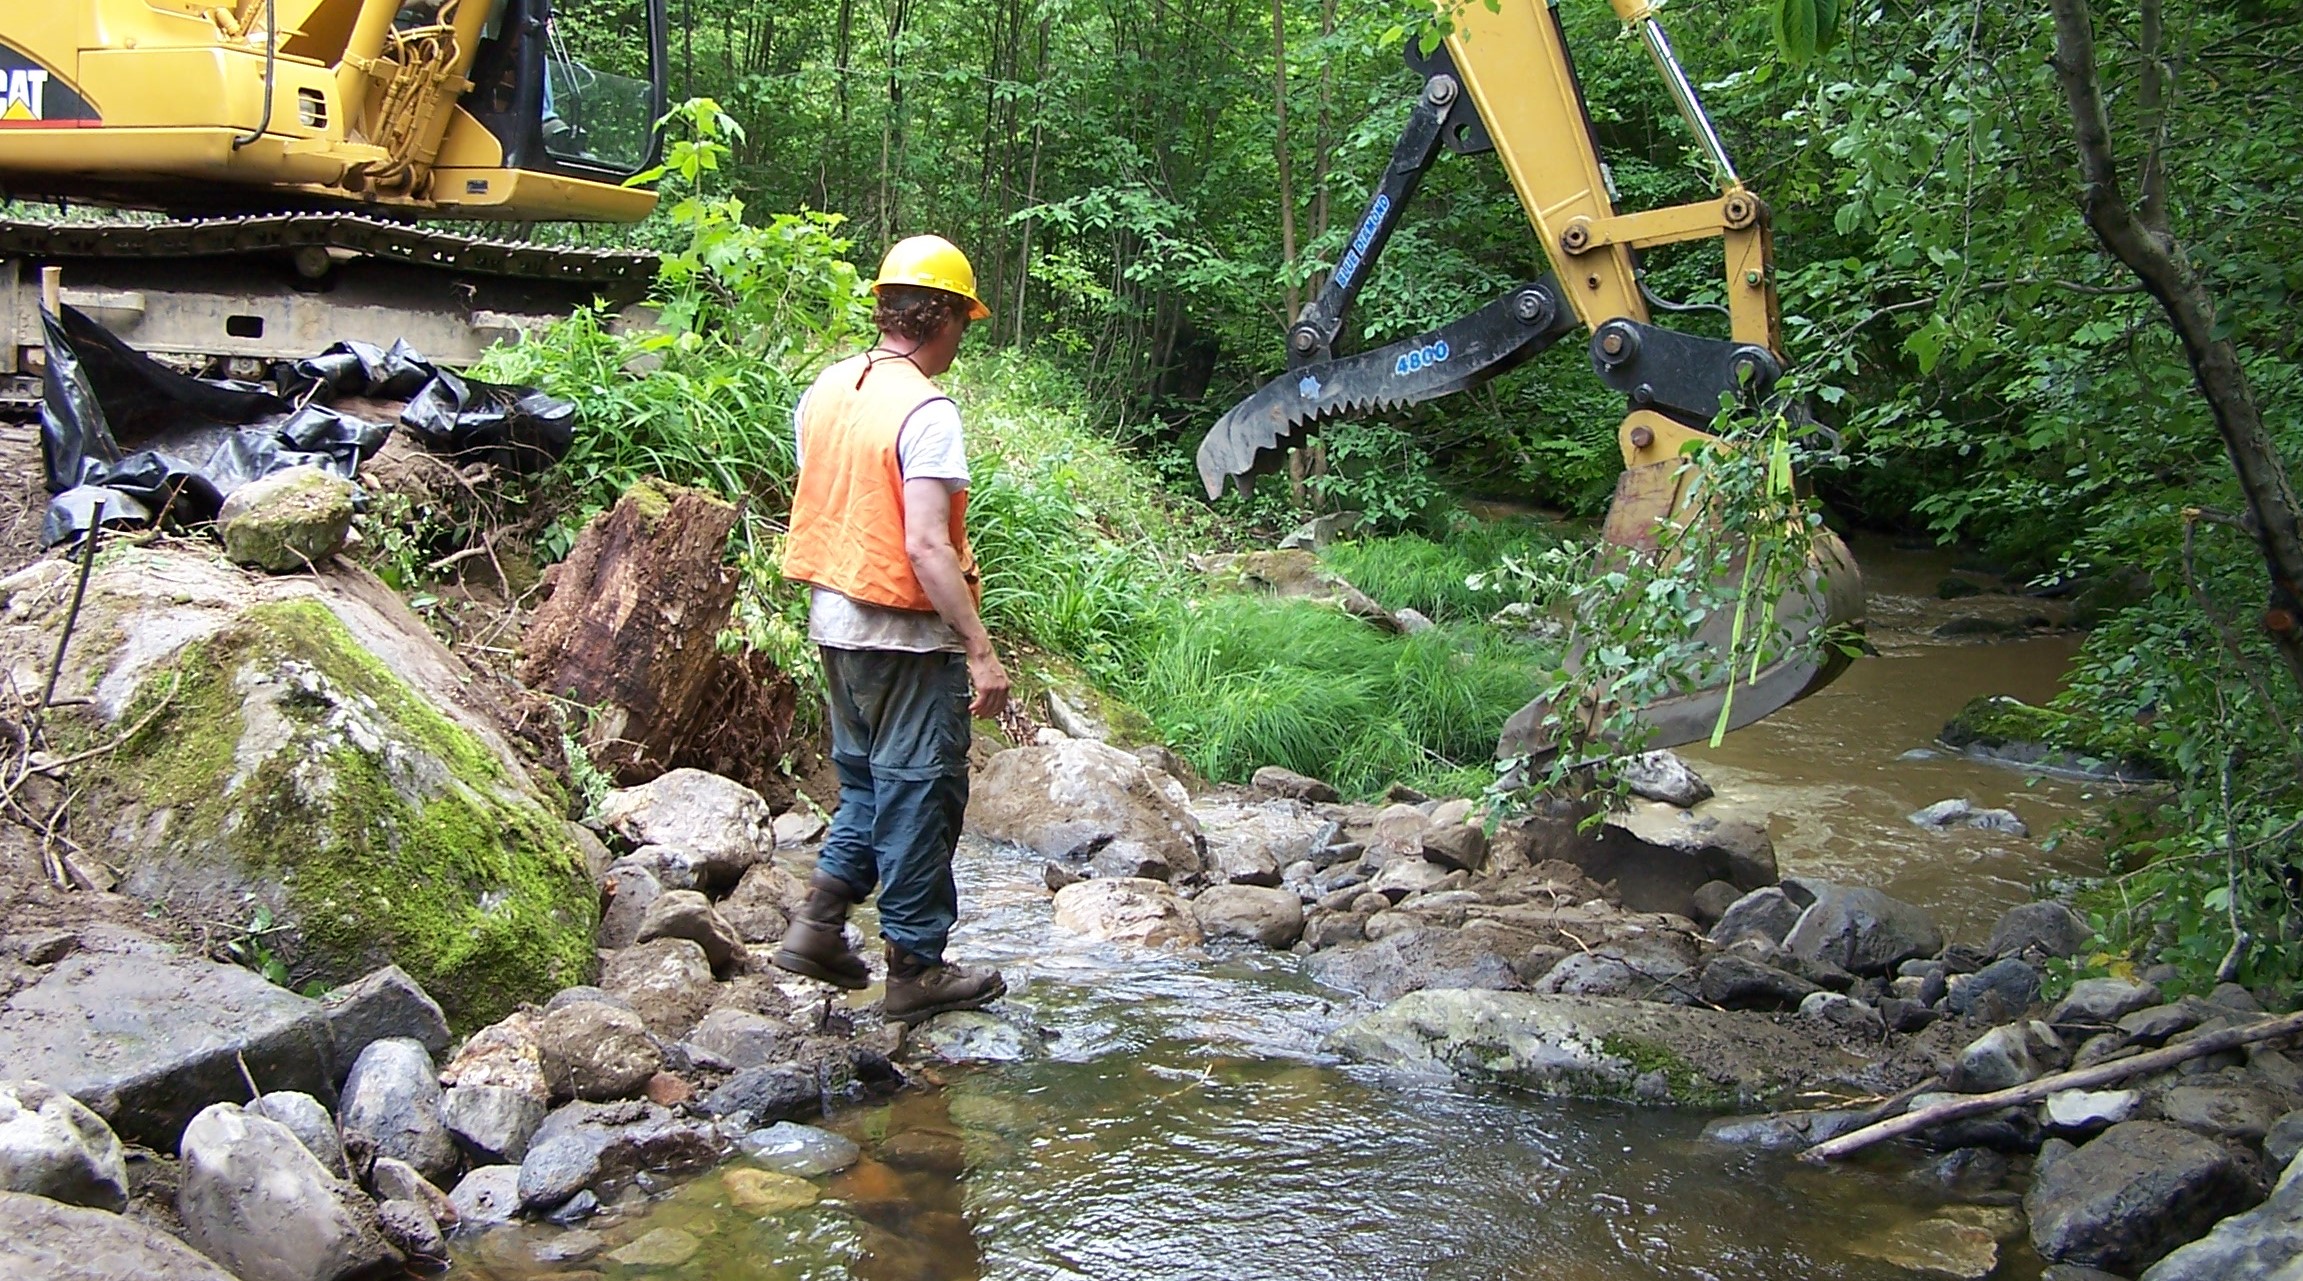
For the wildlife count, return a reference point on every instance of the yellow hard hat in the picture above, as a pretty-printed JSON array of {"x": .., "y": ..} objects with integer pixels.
[{"x": 932, "y": 262}]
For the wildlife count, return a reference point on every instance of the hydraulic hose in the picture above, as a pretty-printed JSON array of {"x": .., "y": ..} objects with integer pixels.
[{"x": 271, "y": 72}]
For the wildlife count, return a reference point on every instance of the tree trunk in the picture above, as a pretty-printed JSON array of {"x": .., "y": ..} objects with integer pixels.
[
  {"x": 2159, "y": 261},
  {"x": 892, "y": 128},
  {"x": 630, "y": 629},
  {"x": 1323, "y": 144},
  {"x": 1280, "y": 149}
]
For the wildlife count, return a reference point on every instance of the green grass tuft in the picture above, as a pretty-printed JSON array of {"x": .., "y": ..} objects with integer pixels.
[
  {"x": 1238, "y": 682},
  {"x": 1414, "y": 572}
]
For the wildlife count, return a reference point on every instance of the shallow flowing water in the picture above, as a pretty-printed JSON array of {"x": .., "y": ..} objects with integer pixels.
[{"x": 1183, "y": 1123}]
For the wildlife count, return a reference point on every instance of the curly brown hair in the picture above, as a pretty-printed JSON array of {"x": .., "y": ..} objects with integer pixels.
[{"x": 916, "y": 312}]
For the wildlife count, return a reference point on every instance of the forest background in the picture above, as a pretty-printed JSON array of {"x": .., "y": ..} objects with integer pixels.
[{"x": 1149, "y": 190}]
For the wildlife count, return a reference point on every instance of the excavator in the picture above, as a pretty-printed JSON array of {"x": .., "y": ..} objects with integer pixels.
[
  {"x": 289, "y": 147},
  {"x": 1503, "y": 81}
]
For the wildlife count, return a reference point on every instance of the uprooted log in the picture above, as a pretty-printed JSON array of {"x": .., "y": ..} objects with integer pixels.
[
  {"x": 2085, "y": 1078},
  {"x": 630, "y": 634}
]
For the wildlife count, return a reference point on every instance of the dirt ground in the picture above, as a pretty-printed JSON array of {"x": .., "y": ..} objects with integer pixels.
[{"x": 23, "y": 494}]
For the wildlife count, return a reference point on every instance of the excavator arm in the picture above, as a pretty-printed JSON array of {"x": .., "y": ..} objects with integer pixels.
[{"x": 1504, "y": 81}]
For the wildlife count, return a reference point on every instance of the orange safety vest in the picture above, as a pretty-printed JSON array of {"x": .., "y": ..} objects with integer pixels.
[{"x": 848, "y": 517}]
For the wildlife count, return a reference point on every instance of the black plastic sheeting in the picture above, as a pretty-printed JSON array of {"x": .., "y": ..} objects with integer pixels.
[{"x": 152, "y": 444}]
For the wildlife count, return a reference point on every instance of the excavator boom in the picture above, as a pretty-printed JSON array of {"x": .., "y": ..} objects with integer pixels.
[{"x": 1504, "y": 81}]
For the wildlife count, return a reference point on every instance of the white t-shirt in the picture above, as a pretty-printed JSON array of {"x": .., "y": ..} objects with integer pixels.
[{"x": 929, "y": 446}]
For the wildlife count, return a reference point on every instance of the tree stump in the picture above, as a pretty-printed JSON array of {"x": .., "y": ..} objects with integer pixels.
[{"x": 631, "y": 626}]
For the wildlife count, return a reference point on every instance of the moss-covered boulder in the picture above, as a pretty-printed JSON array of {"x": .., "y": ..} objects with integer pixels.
[
  {"x": 1999, "y": 728},
  {"x": 1604, "y": 1048},
  {"x": 1078, "y": 706},
  {"x": 305, "y": 752}
]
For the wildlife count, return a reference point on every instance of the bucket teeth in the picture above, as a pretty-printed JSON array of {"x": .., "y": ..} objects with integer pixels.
[{"x": 1462, "y": 354}]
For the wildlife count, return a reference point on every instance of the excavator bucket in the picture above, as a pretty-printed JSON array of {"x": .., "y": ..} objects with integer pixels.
[{"x": 1826, "y": 597}]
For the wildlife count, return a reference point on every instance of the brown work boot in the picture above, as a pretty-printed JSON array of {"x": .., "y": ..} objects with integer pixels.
[
  {"x": 816, "y": 945},
  {"x": 920, "y": 989}
]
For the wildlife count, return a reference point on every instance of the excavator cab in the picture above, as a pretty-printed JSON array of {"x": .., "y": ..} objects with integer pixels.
[
  {"x": 294, "y": 143},
  {"x": 510, "y": 110},
  {"x": 571, "y": 93}
]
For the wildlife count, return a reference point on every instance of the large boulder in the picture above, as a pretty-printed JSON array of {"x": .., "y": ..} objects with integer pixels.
[
  {"x": 1861, "y": 930},
  {"x": 588, "y": 1145},
  {"x": 2003, "y": 989},
  {"x": 491, "y": 1122},
  {"x": 1456, "y": 847},
  {"x": 146, "y": 1036},
  {"x": 1272, "y": 917},
  {"x": 773, "y": 1092},
  {"x": 392, "y": 1100},
  {"x": 804, "y": 1150},
  {"x": 2000, "y": 1059},
  {"x": 488, "y": 1195},
  {"x": 1127, "y": 909},
  {"x": 52, "y": 1146},
  {"x": 721, "y": 826},
  {"x": 1655, "y": 967},
  {"x": 2102, "y": 1002},
  {"x": 2048, "y": 928},
  {"x": 687, "y": 914},
  {"x": 1594, "y": 1047},
  {"x": 630, "y": 888},
  {"x": 1282, "y": 782},
  {"x": 507, "y": 1053},
  {"x": 288, "y": 521},
  {"x": 2133, "y": 1194},
  {"x": 1412, "y": 960},
  {"x": 1248, "y": 844},
  {"x": 667, "y": 982},
  {"x": 254, "y": 1200},
  {"x": 1709, "y": 844},
  {"x": 1662, "y": 776},
  {"x": 744, "y": 1039},
  {"x": 310, "y": 751},
  {"x": 51, "y": 1241},
  {"x": 974, "y": 1036},
  {"x": 411, "y": 1229},
  {"x": 2239, "y": 1111},
  {"x": 761, "y": 907},
  {"x": 2079, "y": 1113},
  {"x": 1090, "y": 806},
  {"x": 308, "y": 1120},
  {"x": 1735, "y": 981},
  {"x": 2264, "y": 1243},
  {"x": 596, "y": 1051},
  {"x": 1765, "y": 913}
]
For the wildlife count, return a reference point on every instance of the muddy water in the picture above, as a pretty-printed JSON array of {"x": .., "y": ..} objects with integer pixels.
[
  {"x": 1182, "y": 1123},
  {"x": 1840, "y": 771}
]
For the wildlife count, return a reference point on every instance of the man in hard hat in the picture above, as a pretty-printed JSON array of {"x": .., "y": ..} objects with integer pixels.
[{"x": 879, "y": 533}]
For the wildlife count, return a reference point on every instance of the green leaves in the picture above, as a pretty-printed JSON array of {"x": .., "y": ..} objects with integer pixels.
[{"x": 1805, "y": 29}]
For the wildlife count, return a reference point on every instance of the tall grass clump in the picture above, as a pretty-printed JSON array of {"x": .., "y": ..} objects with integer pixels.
[
  {"x": 1050, "y": 579},
  {"x": 1238, "y": 682}
]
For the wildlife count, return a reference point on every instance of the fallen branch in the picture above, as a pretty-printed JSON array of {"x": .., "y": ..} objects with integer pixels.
[{"x": 2077, "y": 1079}]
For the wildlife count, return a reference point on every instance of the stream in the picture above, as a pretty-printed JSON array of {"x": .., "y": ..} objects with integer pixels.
[{"x": 1182, "y": 1122}]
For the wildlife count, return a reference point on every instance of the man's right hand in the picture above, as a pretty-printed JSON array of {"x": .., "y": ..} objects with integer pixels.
[{"x": 990, "y": 680}]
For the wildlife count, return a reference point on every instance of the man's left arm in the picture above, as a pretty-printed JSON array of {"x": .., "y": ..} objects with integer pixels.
[{"x": 936, "y": 563}]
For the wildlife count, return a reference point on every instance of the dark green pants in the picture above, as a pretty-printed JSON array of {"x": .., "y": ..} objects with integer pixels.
[{"x": 900, "y": 745}]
